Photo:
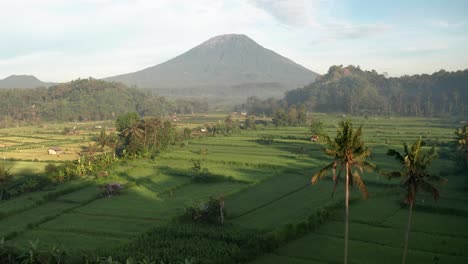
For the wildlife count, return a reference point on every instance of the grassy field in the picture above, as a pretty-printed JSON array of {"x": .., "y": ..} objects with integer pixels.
[{"x": 267, "y": 187}]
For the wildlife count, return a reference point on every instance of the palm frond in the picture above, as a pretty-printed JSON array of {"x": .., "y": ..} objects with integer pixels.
[
  {"x": 336, "y": 178},
  {"x": 429, "y": 188},
  {"x": 322, "y": 173},
  {"x": 393, "y": 174},
  {"x": 437, "y": 179},
  {"x": 397, "y": 155},
  {"x": 360, "y": 184}
]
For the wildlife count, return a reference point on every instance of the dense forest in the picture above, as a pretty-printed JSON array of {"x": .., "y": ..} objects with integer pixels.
[
  {"x": 354, "y": 91},
  {"x": 86, "y": 99},
  {"x": 81, "y": 100}
]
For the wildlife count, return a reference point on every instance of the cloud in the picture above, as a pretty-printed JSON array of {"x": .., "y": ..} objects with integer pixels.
[
  {"x": 447, "y": 25},
  {"x": 297, "y": 13},
  {"x": 315, "y": 14},
  {"x": 350, "y": 31}
]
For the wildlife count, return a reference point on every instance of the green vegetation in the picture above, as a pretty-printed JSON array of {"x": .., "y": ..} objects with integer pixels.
[
  {"x": 271, "y": 212},
  {"x": 462, "y": 138},
  {"x": 81, "y": 100},
  {"x": 415, "y": 177},
  {"x": 354, "y": 91},
  {"x": 348, "y": 152}
]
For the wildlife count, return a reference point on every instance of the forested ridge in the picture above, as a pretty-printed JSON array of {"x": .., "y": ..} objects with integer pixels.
[
  {"x": 79, "y": 100},
  {"x": 352, "y": 90}
]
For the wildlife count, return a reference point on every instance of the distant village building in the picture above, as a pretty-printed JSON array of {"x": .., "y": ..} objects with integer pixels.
[
  {"x": 174, "y": 117},
  {"x": 54, "y": 150}
]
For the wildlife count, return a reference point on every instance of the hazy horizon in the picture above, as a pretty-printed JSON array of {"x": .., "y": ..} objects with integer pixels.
[{"x": 58, "y": 41}]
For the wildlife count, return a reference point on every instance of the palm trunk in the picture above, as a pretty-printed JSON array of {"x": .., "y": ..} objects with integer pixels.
[
  {"x": 405, "y": 249},
  {"x": 346, "y": 215}
]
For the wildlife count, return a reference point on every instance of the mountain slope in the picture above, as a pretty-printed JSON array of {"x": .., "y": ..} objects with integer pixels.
[
  {"x": 223, "y": 65},
  {"x": 22, "y": 81}
]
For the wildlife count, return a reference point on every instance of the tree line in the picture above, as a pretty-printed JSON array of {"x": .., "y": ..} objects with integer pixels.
[
  {"x": 87, "y": 99},
  {"x": 355, "y": 91}
]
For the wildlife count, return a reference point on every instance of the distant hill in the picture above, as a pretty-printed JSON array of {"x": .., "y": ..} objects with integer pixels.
[
  {"x": 22, "y": 81},
  {"x": 82, "y": 100},
  {"x": 227, "y": 65},
  {"x": 352, "y": 90}
]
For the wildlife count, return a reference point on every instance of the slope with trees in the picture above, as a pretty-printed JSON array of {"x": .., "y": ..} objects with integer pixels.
[
  {"x": 355, "y": 91},
  {"x": 82, "y": 99}
]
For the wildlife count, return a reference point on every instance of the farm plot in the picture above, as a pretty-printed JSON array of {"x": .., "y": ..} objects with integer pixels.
[{"x": 265, "y": 185}]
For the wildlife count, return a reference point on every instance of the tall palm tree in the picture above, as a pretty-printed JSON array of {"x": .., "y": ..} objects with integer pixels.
[
  {"x": 349, "y": 153},
  {"x": 415, "y": 177},
  {"x": 462, "y": 138}
]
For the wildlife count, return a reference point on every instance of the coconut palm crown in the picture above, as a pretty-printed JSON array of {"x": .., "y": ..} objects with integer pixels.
[
  {"x": 349, "y": 153},
  {"x": 414, "y": 173},
  {"x": 415, "y": 177}
]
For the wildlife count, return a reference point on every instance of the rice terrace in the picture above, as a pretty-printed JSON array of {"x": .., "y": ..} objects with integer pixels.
[
  {"x": 267, "y": 194},
  {"x": 233, "y": 132}
]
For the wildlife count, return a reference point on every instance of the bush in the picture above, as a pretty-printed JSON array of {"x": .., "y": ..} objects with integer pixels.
[
  {"x": 266, "y": 139},
  {"x": 211, "y": 212}
]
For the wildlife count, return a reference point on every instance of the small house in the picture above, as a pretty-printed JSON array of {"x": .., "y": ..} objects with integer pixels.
[
  {"x": 174, "y": 117},
  {"x": 54, "y": 150}
]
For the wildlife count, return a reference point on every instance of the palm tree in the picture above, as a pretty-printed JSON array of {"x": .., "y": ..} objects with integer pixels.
[
  {"x": 462, "y": 138},
  {"x": 415, "y": 177},
  {"x": 349, "y": 153},
  {"x": 134, "y": 137}
]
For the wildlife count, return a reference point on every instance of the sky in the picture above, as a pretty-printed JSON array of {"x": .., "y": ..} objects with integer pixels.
[{"x": 61, "y": 40}]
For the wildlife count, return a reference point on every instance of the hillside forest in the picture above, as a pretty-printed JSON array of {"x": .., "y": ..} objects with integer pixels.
[
  {"x": 354, "y": 91},
  {"x": 347, "y": 90}
]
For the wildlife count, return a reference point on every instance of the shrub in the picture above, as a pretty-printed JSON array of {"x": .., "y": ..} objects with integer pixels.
[
  {"x": 211, "y": 212},
  {"x": 266, "y": 139}
]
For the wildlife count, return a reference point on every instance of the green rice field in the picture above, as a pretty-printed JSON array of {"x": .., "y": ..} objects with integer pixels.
[{"x": 267, "y": 188}]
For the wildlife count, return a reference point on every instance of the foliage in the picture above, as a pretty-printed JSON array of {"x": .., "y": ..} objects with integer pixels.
[
  {"x": 33, "y": 254},
  {"x": 225, "y": 128},
  {"x": 291, "y": 116},
  {"x": 80, "y": 100},
  {"x": 249, "y": 123},
  {"x": 199, "y": 243},
  {"x": 5, "y": 178},
  {"x": 414, "y": 173},
  {"x": 256, "y": 106},
  {"x": 462, "y": 144},
  {"x": 316, "y": 127},
  {"x": 348, "y": 152},
  {"x": 352, "y": 90},
  {"x": 144, "y": 137},
  {"x": 200, "y": 174},
  {"x": 211, "y": 212},
  {"x": 415, "y": 176},
  {"x": 126, "y": 121},
  {"x": 266, "y": 139}
]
